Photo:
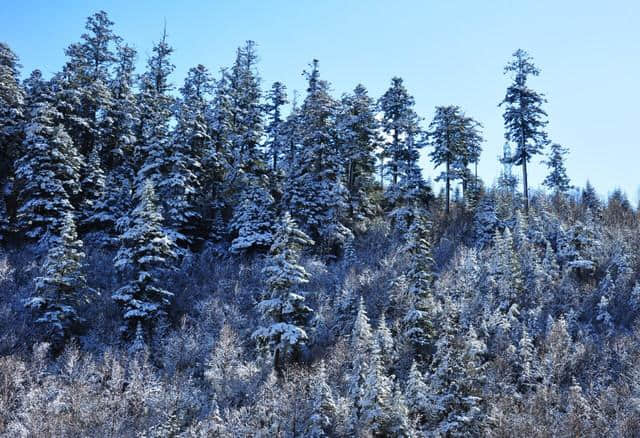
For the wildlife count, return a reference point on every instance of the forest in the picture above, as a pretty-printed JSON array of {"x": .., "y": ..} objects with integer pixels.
[{"x": 224, "y": 258}]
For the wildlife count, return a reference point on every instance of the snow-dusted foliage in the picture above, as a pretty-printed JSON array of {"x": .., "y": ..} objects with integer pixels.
[
  {"x": 475, "y": 316},
  {"x": 284, "y": 304},
  {"x": 62, "y": 286},
  {"x": 48, "y": 174},
  {"x": 145, "y": 252}
]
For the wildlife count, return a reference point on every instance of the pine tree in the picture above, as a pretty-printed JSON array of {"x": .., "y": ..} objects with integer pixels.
[
  {"x": 315, "y": 194},
  {"x": 48, "y": 172},
  {"x": 94, "y": 189},
  {"x": 377, "y": 398},
  {"x": 557, "y": 179},
  {"x": 146, "y": 252},
  {"x": 417, "y": 393},
  {"x": 590, "y": 198},
  {"x": 524, "y": 118},
  {"x": 62, "y": 287},
  {"x": 507, "y": 180},
  {"x": 361, "y": 347},
  {"x": 286, "y": 336}
]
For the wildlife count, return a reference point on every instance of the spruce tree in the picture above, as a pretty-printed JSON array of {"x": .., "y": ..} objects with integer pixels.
[
  {"x": 285, "y": 307},
  {"x": 62, "y": 287},
  {"x": 524, "y": 118},
  {"x": 557, "y": 179},
  {"x": 145, "y": 253}
]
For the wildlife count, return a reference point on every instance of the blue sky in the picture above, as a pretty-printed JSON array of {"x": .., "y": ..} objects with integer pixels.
[{"x": 448, "y": 52}]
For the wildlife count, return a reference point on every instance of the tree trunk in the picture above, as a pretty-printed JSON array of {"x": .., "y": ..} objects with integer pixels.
[
  {"x": 525, "y": 186},
  {"x": 447, "y": 190}
]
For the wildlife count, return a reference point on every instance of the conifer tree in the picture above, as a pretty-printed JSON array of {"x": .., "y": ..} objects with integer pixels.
[
  {"x": 12, "y": 101},
  {"x": 145, "y": 252},
  {"x": 94, "y": 190},
  {"x": 590, "y": 198},
  {"x": 358, "y": 137},
  {"x": 152, "y": 150},
  {"x": 524, "y": 118},
  {"x": 418, "y": 325},
  {"x": 557, "y": 179},
  {"x": 191, "y": 145},
  {"x": 254, "y": 220},
  {"x": 48, "y": 172},
  {"x": 62, "y": 286},
  {"x": 323, "y": 407},
  {"x": 417, "y": 393},
  {"x": 315, "y": 194},
  {"x": 400, "y": 123},
  {"x": 285, "y": 306},
  {"x": 507, "y": 180},
  {"x": 362, "y": 348},
  {"x": 275, "y": 144}
]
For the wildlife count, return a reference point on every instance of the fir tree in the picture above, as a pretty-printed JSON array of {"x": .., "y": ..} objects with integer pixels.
[
  {"x": 524, "y": 118},
  {"x": 557, "y": 179},
  {"x": 152, "y": 150},
  {"x": 62, "y": 287},
  {"x": 323, "y": 407},
  {"x": 48, "y": 172},
  {"x": 12, "y": 102},
  {"x": 94, "y": 190},
  {"x": 315, "y": 193},
  {"x": 254, "y": 220},
  {"x": 358, "y": 137},
  {"x": 400, "y": 124},
  {"x": 418, "y": 326},
  {"x": 590, "y": 198},
  {"x": 146, "y": 252},
  {"x": 276, "y": 99},
  {"x": 286, "y": 336}
]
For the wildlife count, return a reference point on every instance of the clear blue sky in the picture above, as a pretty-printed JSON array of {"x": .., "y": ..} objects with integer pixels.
[{"x": 447, "y": 51}]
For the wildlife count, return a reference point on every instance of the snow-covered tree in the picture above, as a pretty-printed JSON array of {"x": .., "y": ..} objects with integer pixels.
[
  {"x": 314, "y": 192},
  {"x": 145, "y": 252},
  {"x": 191, "y": 145},
  {"x": 359, "y": 139},
  {"x": 254, "y": 220},
  {"x": 285, "y": 306},
  {"x": 418, "y": 322},
  {"x": 154, "y": 100},
  {"x": 323, "y": 407},
  {"x": 94, "y": 190},
  {"x": 11, "y": 118},
  {"x": 62, "y": 287},
  {"x": 48, "y": 173},
  {"x": 524, "y": 118},
  {"x": 275, "y": 144},
  {"x": 400, "y": 125},
  {"x": 557, "y": 179}
]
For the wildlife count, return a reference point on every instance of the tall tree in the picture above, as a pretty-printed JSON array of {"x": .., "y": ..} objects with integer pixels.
[
  {"x": 557, "y": 179},
  {"x": 191, "y": 145},
  {"x": 314, "y": 193},
  {"x": 359, "y": 139},
  {"x": 524, "y": 118},
  {"x": 11, "y": 118},
  {"x": 48, "y": 172},
  {"x": 62, "y": 286},
  {"x": 400, "y": 124},
  {"x": 285, "y": 306},
  {"x": 276, "y": 99},
  {"x": 155, "y": 100},
  {"x": 145, "y": 253}
]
